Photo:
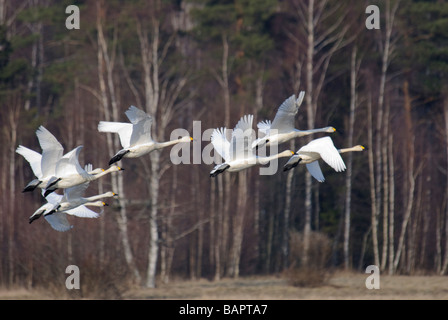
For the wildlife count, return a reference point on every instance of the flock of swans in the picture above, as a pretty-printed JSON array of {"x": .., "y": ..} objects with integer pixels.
[{"x": 55, "y": 170}]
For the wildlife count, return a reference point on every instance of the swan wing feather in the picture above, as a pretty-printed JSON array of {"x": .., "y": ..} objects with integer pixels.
[
  {"x": 34, "y": 159},
  {"x": 220, "y": 142},
  {"x": 123, "y": 129},
  {"x": 242, "y": 137},
  {"x": 52, "y": 151},
  {"x": 58, "y": 221}
]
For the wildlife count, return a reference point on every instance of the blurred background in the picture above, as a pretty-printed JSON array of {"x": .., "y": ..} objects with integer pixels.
[{"x": 215, "y": 61}]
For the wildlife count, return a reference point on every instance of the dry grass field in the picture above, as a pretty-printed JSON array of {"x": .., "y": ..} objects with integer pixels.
[{"x": 341, "y": 286}]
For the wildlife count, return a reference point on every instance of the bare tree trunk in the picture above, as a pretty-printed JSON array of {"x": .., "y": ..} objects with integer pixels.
[
  {"x": 439, "y": 226},
  {"x": 445, "y": 259},
  {"x": 390, "y": 142},
  {"x": 426, "y": 221},
  {"x": 348, "y": 177},
  {"x": 224, "y": 191},
  {"x": 410, "y": 176},
  {"x": 105, "y": 66},
  {"x": 384, "y": 151},
  {"x": 313, "y": 13},
  {"x": 167, "y": 250},
  {"x": 153, "y": 228},
  {"x": 374, "y": 222},
  {"x": 13, "y": 118},
  {"x": 213, "y": 216},
  {"x": 310, "y": 122},
  {"x": 238, "y": 225},
  {"x": 200, "y": 209},
  {"x": 286, "y": 215},
  {"x": 218, "y": 238}
]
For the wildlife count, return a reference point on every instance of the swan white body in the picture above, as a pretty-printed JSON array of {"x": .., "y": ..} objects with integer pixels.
[
  {"x": 237, "y": 153},
  {"x": 282, "y": 129},
  {"x": 135, "y": 137},
  {"x": 43, "y": 165},
  {"x": 74, "y": 197},
  {"x": 322, "y": 148},
  {"x": 58, "y": 218},
  {"x": 69, "y": 172}
]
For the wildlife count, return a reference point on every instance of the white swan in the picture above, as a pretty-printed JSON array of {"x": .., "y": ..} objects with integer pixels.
[
  {"x": 69, "y": 172},
  {"x": 43, "y": 165},
  {"x": 282, "y": 128},
  {"x": 58, "y": 219},
  {"x": 74, "y": 197},
  {"x": 237, "y": 153},
  {"x": 322, "y": 148},
  {"x": 135, "y": 137}
]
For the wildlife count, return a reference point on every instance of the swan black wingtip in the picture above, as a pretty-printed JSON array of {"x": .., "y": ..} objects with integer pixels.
[{"x": 118, "y": 156}]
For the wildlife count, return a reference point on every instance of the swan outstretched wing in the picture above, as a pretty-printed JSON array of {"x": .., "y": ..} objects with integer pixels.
[
  {"x": 327, "y": 151},
  {"x": 75, "y": 192},
  {"x": 242, "y": 137},
  {"x": 58, "y": 221},
  {"x": 285, "y": 116},
  {"x": 53, "y": 198},
  {"x": 220, "y": 142},
  {"x": 315, "y": 171},
  {"x": 123, "y": 129},
  {"x": 69, "y": 164},
  {"x": 83, "y": 212},
  {"x": 52, "y": 151},
  {"x": 141, "y": 126},
  {"x": 264, "y": 126},
  {"x": 34, "y": 159}
]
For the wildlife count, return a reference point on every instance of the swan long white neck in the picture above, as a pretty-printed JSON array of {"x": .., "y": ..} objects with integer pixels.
[
  {"x": 311, "y": 131},
  {"x": 355, "y": 148},
  {"x": 99, "y": 175},
  {"x": 99, "y": 196},
  {"x": 264, "y": 160},
  {"x": 160, "y": 145}
]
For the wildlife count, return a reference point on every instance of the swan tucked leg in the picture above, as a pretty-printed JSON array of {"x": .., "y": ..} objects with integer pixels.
[
  {"x": 292, "y": 163},
  {"x": 219, "y": 169},
  {"x": 120, "y": 154},
  {"x": 32, "y": 185}
]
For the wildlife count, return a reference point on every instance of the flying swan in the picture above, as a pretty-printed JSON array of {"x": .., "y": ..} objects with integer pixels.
[
  {"x": 135, "y": 137},
  {"x": 282, "y": 129},
  {"x": 58, "y": 218},
  {"x": 69, "y": 172},
  {"x": 322, "y": 148},
  {"x": 237, "y": 153},
  {"x": 43, "y": 165}
]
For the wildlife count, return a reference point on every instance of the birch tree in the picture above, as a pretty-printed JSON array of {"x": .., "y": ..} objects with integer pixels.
[
  {"x": 319, "y": 45},
  {"x": 354, "y": 66},
  {"x": 161, "y": 91},
  {"x": 109, "y": 104}
]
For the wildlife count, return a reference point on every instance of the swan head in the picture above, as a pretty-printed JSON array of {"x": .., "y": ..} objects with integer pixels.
[
  {"x": 115, "y": 169},
  {"x": 359, "y": 148},
  {"x": 98, "y": 203},
  {"x": 111, "y": 194},
  {"x": 287, "y": 153},
  {"x": 96, "y": 171},
  {"x": 330, "y": 129},
  {"x": 186, "y": 139}
]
